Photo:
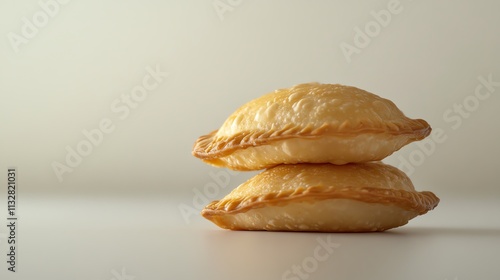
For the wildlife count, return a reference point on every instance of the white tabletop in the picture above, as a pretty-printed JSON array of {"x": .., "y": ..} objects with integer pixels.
[{"x": 145, "y": 237}]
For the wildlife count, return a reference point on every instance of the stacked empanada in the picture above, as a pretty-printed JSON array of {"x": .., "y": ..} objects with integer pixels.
[{"x": 321, "y": 146}]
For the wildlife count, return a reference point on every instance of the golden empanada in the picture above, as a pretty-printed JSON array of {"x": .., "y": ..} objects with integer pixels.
[
  {"x": 322, "y": 197},
  {"x": 310, "y": 123}
]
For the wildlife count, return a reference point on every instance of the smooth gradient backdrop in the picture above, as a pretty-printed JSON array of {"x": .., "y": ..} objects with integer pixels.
[
  {"x": 101, "y": 102},
  {"x": 67, "y": 66}
]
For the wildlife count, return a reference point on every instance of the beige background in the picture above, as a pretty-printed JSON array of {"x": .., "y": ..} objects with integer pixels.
[
  {"x": 131, "y": 205},
  {"x": 66, "y": 78}
]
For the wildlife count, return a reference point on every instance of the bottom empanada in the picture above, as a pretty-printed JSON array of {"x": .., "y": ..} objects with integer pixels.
[{"x": 322, "y": 197}]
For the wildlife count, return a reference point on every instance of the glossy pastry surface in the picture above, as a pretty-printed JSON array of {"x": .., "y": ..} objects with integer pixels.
[
  {"x": 322, "y": 197},
  {"x": 310, "y": 123}
]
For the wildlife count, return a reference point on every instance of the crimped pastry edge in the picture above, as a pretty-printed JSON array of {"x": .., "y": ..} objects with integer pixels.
[
  {"x": 210, "y": 146},
  {"x": 421, "y": 202}
]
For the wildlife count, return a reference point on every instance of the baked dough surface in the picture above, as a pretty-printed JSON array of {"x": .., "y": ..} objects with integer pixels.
[
  {"x": 322, "y": 197},
  {"x": 310, "y": 123}
]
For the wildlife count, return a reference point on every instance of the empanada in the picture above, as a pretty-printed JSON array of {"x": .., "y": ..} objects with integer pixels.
[
  {"x": 310, "y": 123},
  {"x": 322, "y": 197}
]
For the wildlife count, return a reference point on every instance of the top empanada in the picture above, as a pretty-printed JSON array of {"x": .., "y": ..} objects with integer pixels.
[{"x": 310, "y": 123}]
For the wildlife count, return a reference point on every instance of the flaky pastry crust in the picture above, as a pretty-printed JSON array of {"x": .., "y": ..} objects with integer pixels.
[
  {"x": 344, "y": 123},
  {"x": 353, "y": 197}
]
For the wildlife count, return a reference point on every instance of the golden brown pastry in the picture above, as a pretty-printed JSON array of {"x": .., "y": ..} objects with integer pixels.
[
  {"x": 322, "y": 197},
  {"x": 310, "y": 123}
]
